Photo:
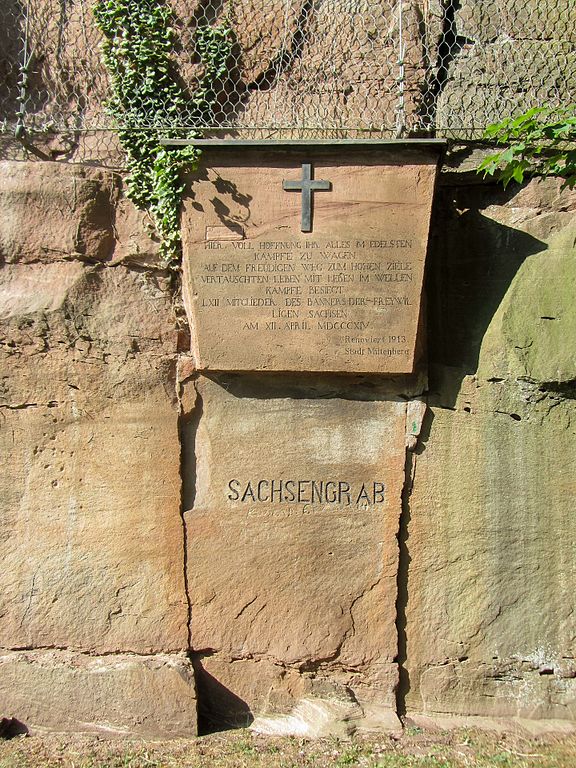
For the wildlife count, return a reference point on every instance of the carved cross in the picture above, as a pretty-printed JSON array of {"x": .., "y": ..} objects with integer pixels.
[{"x": 307, "y": 186}]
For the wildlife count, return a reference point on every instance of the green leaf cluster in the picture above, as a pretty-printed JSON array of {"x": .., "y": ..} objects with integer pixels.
[
  {"x": 541, "y": 141},
  {"x": 148, "y": 104}
]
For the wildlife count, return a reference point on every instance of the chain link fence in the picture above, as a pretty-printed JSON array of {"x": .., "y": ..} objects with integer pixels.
[{"x": 298, "y": 68}]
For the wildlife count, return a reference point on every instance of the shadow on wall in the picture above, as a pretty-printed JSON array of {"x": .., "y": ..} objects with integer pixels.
[
  {"x": 10, "y": 727},
  {"x": 472, "y": 262},
  {"x": 218, "y": 708},
  {"x": 404, "y": 561}
]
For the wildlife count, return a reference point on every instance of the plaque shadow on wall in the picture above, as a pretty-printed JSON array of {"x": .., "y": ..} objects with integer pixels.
[
  {"x": 473, "y": 260},
  {"x": 472, "y": 263},
  {"x": 219, "y": 708}
]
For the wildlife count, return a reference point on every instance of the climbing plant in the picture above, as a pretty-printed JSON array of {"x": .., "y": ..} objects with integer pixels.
[
  {"x": 148, "y": 104},
  {"x": 541, "y": 141}
]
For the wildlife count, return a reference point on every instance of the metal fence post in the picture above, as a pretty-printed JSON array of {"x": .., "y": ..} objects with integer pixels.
[
  {"x": 20, "y": 129},
  {"x": 400, "y": 109}
]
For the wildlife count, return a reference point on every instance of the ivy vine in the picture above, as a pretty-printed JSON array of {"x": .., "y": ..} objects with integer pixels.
[
  {"x": 541, "y": 141},
  {"x": 148, "y": 104}
]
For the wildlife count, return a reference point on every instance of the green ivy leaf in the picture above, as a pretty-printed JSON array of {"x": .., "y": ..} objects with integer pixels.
[{"x": 541, "y": 141}]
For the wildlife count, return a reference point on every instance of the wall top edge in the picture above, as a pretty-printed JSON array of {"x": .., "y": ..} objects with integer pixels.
[{"x": 440, "y": 143}]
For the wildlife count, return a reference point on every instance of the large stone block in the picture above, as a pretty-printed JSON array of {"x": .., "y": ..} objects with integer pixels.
[
  {"x": 503, "y": 59},
  {"x": 292, "y": 550},
  {"x": 486, "y": 83},
  {"x": 319, "y": 69},
  {"x": 527, "y": 337},
  {"x": 488, "y": 245},
  {"x": 52, "y": 212},
  {"x": 57, "y": 212},
  {"x": 490, "y": 615},
  {"x": 490, "y": 593},
  {"x": 118, "y": 695},
  {"x": 91, "y": 536},
  {"x": 486, "y": 20}
]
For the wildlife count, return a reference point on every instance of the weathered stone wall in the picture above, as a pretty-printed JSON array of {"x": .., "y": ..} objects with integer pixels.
[
  {"x": 91, "y": 535},
  {"x": 126, "y": 582},
  {"x": 292, "y": 600},
  {"x": 489, "y": 540},
  {"x": 107, "y": 532},
  {"x": 502, "y": 58}
]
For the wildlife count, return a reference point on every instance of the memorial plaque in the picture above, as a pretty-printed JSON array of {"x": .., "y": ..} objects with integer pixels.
[{"x": 307, "y": 257}]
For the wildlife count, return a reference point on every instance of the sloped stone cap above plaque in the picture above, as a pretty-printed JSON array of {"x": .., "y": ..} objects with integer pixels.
[{"x": 307, "y": 257}]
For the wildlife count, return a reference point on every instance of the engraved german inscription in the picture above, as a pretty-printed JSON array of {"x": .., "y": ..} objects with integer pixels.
[{"x": 314, "y": 286}]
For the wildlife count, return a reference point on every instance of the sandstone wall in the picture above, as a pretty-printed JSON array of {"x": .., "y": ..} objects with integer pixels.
[
  {"x": 93, "y": 533},
  {"x": 489, "y": 615},
  {"x": 502, "y": 58}
]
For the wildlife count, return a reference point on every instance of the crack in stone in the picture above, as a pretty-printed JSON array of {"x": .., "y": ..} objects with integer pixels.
[
  {"x": 245, "y": 607},
  {"x": 184, "y": 501},
  {"x": 449, "y": 44},
  {"x": 31, "y": 594},
  {"x": 404, "y": 560},
  {"x": 16, "y": 649}
]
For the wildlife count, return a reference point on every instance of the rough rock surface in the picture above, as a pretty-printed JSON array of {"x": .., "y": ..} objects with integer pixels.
[
  {"x": 490, "y": 594},
  {"x": 59, "y": 212},
  {"x": 91, "y": 539},
  {"x": 293, "y": 597},
  {"x": 326, "y": 69},
  {"x": 91, "y": 536},
  {"x": 73, "y": 204},
  {"x": 363, "y": 66},
  {"x": 314, "y": 718},
  {"x": 120, "y": 695}
]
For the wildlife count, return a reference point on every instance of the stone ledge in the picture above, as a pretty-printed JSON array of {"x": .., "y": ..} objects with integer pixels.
[
  {"x": 117, "y": 695},
  {"x": 520, "y": 725}
]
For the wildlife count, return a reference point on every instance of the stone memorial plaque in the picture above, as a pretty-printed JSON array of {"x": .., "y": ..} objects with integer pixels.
[{"x": 307, "y": 257}]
